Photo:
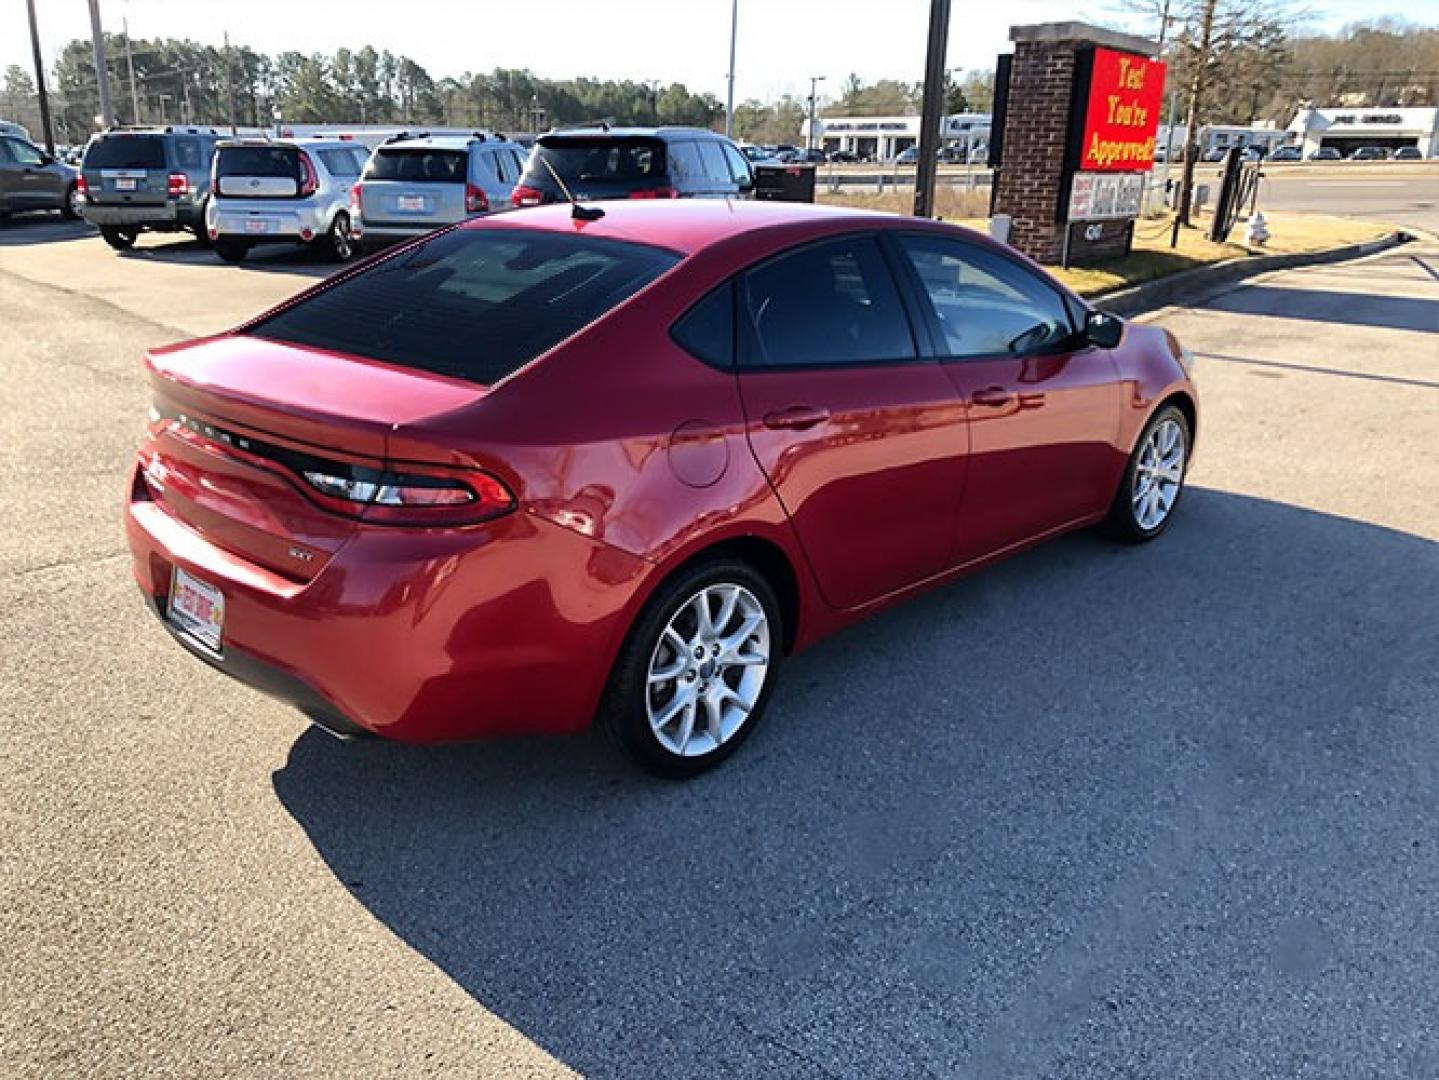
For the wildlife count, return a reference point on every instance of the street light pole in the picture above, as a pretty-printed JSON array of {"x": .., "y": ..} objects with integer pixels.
[
  {"x": 729, "y": 96},
  {"x": 814, "y": 81},
  {"x": 932, "y": 111},
  {"x": 102, "y": 74},
  {"x": 130, "y": 63},
  {"x": 40, "y": 81}
]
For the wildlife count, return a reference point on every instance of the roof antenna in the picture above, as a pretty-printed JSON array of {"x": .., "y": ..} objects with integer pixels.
[{"x": 578, "y": 212}]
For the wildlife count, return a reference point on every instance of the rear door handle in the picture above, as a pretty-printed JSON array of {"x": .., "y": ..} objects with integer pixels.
[
  {"x": 795, "y": 418},
  {"x": 992, "y": 395}
]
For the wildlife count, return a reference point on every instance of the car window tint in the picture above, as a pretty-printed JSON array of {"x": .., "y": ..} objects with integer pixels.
[
  {"x": 339, "y": 162},
  {"x": 419, "y": 165},
  {"x": 187, "y": 153},
  {"x": 499, "y": 166},
  {"x": 519, "y": 162},
  {"x": 604, "y": 160},
  {"x": 707, "y": 329},
  {"x": 126, "y": 152},
  {"x": 986, "y": 304},
  {"x": 715, "y": 169},
  {"x": 685, "y": 165},
  {"x": 6, "y": 155},
  {"x": 24, "y": 153},
  {"x": 826, "y": 303},
  {"x": 475, "y": 304},
  {"x": 738, "y": 167}
]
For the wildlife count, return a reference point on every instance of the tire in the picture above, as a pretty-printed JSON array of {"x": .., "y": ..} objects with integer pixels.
[
  {"x": 231, "y": 250},
  {"x": 121, "y": 239},
  {"x": 1136, "y": 516},
  {"x": 339, "y": 244},
  {"x": 722, "y": 703},
  {"x": 70, "y": 208},
  {"x": 201, "y": 231}
]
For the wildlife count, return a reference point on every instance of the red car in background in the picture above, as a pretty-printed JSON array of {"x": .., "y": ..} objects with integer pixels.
[{"x": 543, "y": 467}]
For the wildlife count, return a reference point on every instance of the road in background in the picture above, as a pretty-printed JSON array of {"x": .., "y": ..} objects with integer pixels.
[{"x": 1101, "y": 811}]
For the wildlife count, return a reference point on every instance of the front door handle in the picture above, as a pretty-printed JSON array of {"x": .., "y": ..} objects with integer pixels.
[
  {"x": 795, "y": 418},
  {"x": 995, "y": 396}
]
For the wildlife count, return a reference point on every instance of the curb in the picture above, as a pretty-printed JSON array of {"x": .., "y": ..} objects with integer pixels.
[{"x": 1191, "y": 286}]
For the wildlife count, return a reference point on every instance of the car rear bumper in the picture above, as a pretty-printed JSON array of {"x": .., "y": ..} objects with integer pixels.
[
  {"x": 420, "y": 636},
  {"x": 390, "y": 234},
  {"x": 169, "y": 213},
  {"x": 262, "y": 219}
]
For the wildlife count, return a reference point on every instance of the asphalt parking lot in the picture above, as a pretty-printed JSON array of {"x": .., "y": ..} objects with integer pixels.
[{"x": 1169, "y": 811}]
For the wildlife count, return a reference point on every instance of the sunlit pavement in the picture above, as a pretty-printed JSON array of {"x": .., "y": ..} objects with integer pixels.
[{"x": 1167, "y": 811}]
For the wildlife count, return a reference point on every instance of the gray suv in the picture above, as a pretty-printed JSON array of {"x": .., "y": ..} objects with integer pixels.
[
  {"x": 413, "y": 184},
  {"x": 147, "y": 179},
  {"x": 31, "y": 179}
]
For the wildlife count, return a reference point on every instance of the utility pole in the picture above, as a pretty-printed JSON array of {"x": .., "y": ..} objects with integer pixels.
[
  {"x": 130, "y": 63},
  {"x": 102, "y": 73},
  {"x": 1197, "y": 84},
  {"x": 932, "y": 110},
  {"x": 729, "y": 96},
  {"x": 230, "y": 89},
  {"x": 814, "y": 81},
  {"x": 40, "y": 81}
]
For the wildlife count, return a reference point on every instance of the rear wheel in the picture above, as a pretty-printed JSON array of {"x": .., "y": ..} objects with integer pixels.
[
  {"x": 1153, "y": 480},
  {"x": 201, "y": 231},
  {"x": 696, "y": 672},
  {"x": 230, "y": 249},
  {"x": 119, "y": 238},
  {"x": 74, "y": 201},
  {"x": 339, "y": 244}
]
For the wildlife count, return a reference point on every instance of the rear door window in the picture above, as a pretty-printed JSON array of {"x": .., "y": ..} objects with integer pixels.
[
  {"x": 474, "y": 304},
  {"x": 187, "y": 154},
  {"x": 597, "y": 163},
  {"x": 126, "y": 152},
  {"x": 715, "y": 170}
]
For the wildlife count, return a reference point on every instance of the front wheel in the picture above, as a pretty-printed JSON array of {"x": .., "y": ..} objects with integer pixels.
[
  {"x": 1153, "y": 479},
  {"x": 696, "y": 672},
  {"x": 119, "y": 238}
]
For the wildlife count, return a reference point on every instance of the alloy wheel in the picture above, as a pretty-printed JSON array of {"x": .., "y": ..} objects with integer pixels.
[
  {"x": 1158, "y": 475},
  {"x": 708, "y": 670}
]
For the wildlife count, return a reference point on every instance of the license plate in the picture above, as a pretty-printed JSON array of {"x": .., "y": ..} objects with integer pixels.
[
  {"x": 197, "y": 609},
  {"x": 412, "y": 202},
  {"x": 125, "y": 183},
  {"x": 257, "y": 225}
]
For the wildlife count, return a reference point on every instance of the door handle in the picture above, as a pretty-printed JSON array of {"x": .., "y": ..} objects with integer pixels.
[
  {"x": 995, "y": 396},
  {"x": 795, "y": 418}
]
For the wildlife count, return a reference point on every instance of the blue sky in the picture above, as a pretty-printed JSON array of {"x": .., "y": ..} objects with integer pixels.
[{"x": 781, "y": 42}]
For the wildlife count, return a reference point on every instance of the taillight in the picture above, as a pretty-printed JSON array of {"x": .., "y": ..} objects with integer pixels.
[
  {"x": 80, "y": 184},
  {"x": 177, "y": 183},
  {"x": 526, "y": 196},
  {"x": 655, "y": 193},
  {"x": 357, "y": 201},
  {"x": 309, "y": 179},
  {"x": 409, "y": 498},
  {"x": 476, "y": 201}
]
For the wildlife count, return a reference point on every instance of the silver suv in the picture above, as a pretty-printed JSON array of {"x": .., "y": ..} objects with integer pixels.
[
  {"x": 413, "y": 184},
  {"x": 295, "y": 190}
]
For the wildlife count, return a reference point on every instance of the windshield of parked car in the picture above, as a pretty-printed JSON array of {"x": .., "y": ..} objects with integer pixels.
[
  {"x": 475, "y": 304},
  {"x": 126, "y": 152},
  {"x": 422, "y": 164},
  {"x": 623, "y": 160}
]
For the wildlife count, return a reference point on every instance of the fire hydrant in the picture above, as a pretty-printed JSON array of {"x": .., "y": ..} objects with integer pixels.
[{"x": 1257, "y": 232}]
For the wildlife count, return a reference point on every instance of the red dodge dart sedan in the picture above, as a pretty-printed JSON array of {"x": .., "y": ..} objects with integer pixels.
[{"x": 554, "y": 465}]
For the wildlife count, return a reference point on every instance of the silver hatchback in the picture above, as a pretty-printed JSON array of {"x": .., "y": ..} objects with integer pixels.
[
  {"x": 268, "y": 190},
  {"x": 413, "y": 184}
]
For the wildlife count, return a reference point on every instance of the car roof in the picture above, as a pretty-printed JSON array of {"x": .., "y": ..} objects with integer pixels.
[
  {"x": 444, "y": 142},
  {"x": 631, "y": 132},
  {"x": 305, "y": 143},
  {"x": 688, "y": 225}
]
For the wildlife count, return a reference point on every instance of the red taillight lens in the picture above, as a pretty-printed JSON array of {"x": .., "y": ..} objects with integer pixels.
[
  {"x": 357, "y": 201},
  {"x": 655, "y": 193},
  {"x": 309, "y": 179},
  {"x": 177, "y": 183},
  {"x": 415, "y": 499},
  {"x": 80, "y": 185},
  {"x": 526, "y": 196},
  {"x": 476, "y": 201}
]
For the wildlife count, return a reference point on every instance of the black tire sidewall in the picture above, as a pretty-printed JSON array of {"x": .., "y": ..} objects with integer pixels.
[
  {"x": 332, "y": 238},
  {"x": 67, "y": 208},
  {"x": 623, "y": 710},
  {"x": 230, "y": 250},
  {"x": 1122, "y": 521},
  {"x": 119, "y": 238}
]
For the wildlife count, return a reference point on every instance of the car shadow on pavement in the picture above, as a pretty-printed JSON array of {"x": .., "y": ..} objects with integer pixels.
[
  {"x": 27, "y": 230},
  {"x": 1334, "y": 306},
  {"x": 1081, "y": 814},
  {"x": 270, "y": 259}
]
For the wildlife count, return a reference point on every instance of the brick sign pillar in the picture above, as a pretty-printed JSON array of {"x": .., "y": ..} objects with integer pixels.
[{"x": 1036, "y": 129}]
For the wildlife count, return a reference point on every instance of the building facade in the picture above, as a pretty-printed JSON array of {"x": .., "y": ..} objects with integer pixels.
[
  {"x": 881, "y": 138},
  {"x": 1346, "y": 130}
]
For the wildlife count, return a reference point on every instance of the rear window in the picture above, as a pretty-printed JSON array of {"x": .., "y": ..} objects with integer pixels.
[
  {"x": 476, "y": 304},
  {"x": 126, "y": 152},
  {"x": 624, "y": 161},
  {"x": 277, "y": 161},
  {"x": 422, "y": 165}
]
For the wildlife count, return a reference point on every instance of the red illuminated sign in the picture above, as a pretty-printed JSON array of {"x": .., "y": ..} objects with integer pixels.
[{"x": 1121, "y": 119}]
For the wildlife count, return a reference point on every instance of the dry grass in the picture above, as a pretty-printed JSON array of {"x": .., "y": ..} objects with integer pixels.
[{"x": 952, "y": 202}]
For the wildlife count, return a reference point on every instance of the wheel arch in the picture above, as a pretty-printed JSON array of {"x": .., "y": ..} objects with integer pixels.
[{"x": 1185, "y": 403}]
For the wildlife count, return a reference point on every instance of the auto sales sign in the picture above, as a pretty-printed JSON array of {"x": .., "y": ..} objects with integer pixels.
[{"x": 1121, "y": 117}]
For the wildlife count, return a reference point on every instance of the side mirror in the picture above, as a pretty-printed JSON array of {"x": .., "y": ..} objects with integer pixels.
[{"x": 1103, "y": 330}]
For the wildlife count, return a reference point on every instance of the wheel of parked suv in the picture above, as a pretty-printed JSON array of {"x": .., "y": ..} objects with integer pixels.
[
  {"x": 1153, "y": 480},
  {"x": 695, "y": 674},
  {"x": 230, "y": 249},
  {"x": 338, "y": 240},
  {"x": 70, "y": 208},
  {"x": 118, "y": 238}
]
